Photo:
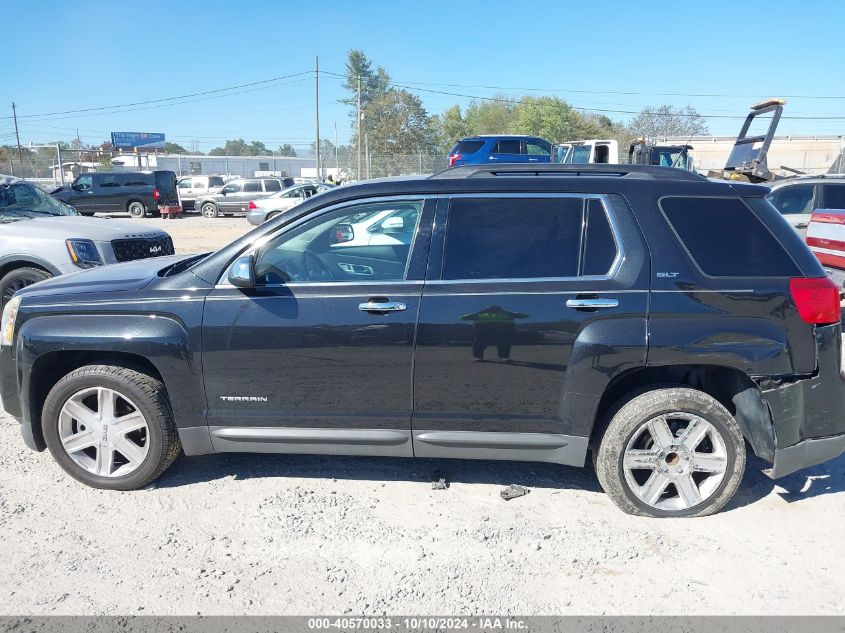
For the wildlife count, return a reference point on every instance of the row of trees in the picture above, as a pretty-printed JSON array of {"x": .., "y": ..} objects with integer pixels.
[{"x": 395, "y": 121}]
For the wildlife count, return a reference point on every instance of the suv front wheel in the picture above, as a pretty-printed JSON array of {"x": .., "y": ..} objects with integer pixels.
[
  {"x": 110, "y": 427},
  {"x": 19, "y": 278},
  {"x": 671, "y": 452}
]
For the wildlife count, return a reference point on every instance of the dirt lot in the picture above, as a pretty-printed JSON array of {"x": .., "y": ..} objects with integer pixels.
[{"x": 233, "y": 534}]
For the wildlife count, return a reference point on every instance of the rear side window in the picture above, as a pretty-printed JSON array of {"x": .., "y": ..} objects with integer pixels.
[
  {"x": 725, "y": 238},
  {"x": 272, "y": 185},
  {"x": 833, "y": 196},
  {"x": 467, "y": 147},
  {"x": 536, "y": 147},
  {"x": 508, "y": 146},
  {"x": 252, "y": 185},
  {"x": 136, "y": 180},
  {"x": 513, "y": 238},
  {"x": 215, "y": 181}
]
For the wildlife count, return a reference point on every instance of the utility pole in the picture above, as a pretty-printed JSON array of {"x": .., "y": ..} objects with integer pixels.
[
  {"x": 18, "y": 137},
  {"x": 336, "y": 161},
  {"x": 317, "y": 112},
  {"x": 358, "y": 173}
]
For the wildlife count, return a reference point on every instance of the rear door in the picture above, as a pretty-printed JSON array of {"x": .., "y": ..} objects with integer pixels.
[
  {"x": 537, "y": 150},
  {"x": 508, "y": 151},
  {"x": 527, "y": 300},
  {"x": 833, "y": 195}
]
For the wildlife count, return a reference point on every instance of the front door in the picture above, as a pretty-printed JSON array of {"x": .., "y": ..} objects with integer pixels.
[
  {"x": 82, "y": 194},
  {"x": 229, "y": 200},
  {"x": 318, "y": 357},
  {"x": 525, "y": 299}
]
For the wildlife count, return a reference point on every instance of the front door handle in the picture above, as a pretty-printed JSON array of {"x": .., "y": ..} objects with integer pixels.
[
  {"x": 592, "y": 304},
  {"x": 382, "y": 306},
  {"x": 801, "y": 225}
]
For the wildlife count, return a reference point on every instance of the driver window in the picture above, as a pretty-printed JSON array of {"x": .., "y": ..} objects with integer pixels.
[
  {"x": 84, "y": 182},
  {"x": 368, "y": 242},
  {"x": 231, "y": 188}
]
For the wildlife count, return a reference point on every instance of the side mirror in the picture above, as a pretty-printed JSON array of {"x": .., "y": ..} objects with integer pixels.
[
  {"x": 222, "y": 192},
  {"x": 242, "y": 272}
]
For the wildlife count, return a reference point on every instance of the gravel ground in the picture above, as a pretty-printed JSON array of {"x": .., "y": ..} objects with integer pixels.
[{"x": 263, "y": 534}]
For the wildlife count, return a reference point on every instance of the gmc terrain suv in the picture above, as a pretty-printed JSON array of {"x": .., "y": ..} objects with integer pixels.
[{"x": 649, "y": 317}]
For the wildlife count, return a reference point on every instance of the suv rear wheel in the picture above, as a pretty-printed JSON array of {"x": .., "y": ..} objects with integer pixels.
[
  {"x": 19, "y": 278},
  {"x": 110, "y": 427},
  {"x": 671, "y": 452},
  {"x": 137, "y": 209},
  {"x": 209, "y": 210}
]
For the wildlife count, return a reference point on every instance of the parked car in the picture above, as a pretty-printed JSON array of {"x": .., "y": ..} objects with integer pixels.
[
  {"x": 275, "y": 204},
  {"x": 502, "y": 149},
  {"x": 826, "y": 239},
  {"x": 136, "y": 193},
  {"x": 797, "y": 198},
  {"x": 588, "y": 151},
  {"x": 234, "y": 197},
  {"x": 648, "y": 317},
  {"x": 190, "y": 187},
  {"x": 42, "y": 237}
]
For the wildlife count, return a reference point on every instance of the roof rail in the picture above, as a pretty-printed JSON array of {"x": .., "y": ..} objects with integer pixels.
[{"x": 649, "y": 172}]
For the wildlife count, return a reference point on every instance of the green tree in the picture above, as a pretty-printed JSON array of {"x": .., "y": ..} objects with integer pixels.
[
  {"x": 494, "y": 116},
  {"x": 397, "y": 125},
  {"x": 450, "y": 127},
  {"x": 239, "y": 147},
  {"x": 257, "y": 148},
  {"x": 286, "y": 150},
  {"x": 174, "y": 148},
  {"x": 374, "y": 82}
]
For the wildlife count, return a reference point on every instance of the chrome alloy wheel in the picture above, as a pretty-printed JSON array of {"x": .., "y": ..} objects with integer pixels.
[
  {"x": 104, "y": 432},
  {"x": 675, "y": 461}
]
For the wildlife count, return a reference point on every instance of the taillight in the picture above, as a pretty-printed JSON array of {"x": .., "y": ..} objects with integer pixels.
[
  {"x": 252, "y": 205},
  {"x": 453, "y": 158},
  {"x": 156, "y": 194},
  {"x": 817, "y": 299}
]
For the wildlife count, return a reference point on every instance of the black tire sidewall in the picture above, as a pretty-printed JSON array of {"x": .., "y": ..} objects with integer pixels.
[
  {"x": 213, "y": 212},
  {"x": 75, "y": 382},
  {"x": 33, "y": 274},
  {"x": 697, "y": 405}
]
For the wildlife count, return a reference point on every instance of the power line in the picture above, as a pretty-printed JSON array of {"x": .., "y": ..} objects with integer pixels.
[
  {"x": 165, "y": 99},
  {"x": 407, "y": 86}
]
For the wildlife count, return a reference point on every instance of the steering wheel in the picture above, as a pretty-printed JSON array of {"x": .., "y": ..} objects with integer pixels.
[{"x": 313, "y": 267}]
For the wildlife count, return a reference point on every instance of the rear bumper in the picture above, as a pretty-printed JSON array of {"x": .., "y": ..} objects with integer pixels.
[
  {"x": 806, "y": 453},
  {"x": 808, "y": 415}
]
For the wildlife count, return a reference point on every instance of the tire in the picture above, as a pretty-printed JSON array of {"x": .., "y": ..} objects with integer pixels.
[
  {"x": 19, "y": 278},
  {"x": 649, "y": 473},
  {"x": 209, "y": 210},
  {"x": 272, "y": 216},
  {"x": 137, "y": 209},
  {"x": 153, "y": 447}
]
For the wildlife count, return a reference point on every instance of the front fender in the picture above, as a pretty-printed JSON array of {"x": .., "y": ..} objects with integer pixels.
[{"x": 161, "y": 340}]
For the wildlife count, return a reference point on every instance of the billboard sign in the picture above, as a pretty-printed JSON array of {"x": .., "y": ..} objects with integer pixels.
[{"x": 140, "y": 140}]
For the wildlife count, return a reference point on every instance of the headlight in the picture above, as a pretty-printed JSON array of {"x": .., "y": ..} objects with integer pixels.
[
  {"x": 7, "y": 324},
  {"x": 83, "y": 253}
]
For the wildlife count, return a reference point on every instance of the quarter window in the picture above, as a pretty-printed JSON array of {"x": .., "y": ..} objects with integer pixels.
[
  {"x": 726, "y": 239},
  {"x": 834, "y": 196},
  {"x": 599, "y": 246},
  {"x": 513, "y": 238}
]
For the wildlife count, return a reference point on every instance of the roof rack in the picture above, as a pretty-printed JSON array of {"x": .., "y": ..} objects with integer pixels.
[{"x": 648, "y": 172}]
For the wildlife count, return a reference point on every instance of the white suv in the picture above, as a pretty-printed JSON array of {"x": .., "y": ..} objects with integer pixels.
[{"x": 43, "y": 237}]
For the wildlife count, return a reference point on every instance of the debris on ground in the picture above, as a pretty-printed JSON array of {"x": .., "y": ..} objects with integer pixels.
[
  {"x": 513, "y": 491},
  {"x": 439, "y": 481}
]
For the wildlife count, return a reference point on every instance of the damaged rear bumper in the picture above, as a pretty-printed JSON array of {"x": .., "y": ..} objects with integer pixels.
[{"x": 808, "y": 415}]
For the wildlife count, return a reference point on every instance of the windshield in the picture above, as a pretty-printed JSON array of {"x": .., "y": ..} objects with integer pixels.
[
  {"x": 580, "y": 155},
  {"x": 21, "y": 201}
]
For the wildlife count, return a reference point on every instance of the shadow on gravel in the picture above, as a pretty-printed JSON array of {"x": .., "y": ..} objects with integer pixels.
[
  {"x": 190, "y": 470},
  {"x": 824, "y": 479}
]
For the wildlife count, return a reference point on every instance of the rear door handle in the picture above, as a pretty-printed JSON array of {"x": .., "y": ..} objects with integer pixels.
[
  {"x": 382, "y": 306},
  {"x": 801, "y": 225},
  {"x": 592, "y": 303}
]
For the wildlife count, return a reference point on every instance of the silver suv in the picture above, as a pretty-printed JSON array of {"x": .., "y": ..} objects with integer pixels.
[
  {"x": 189, "y": 187},
  {"x": 43, "y": 237},
  {"x": 234, "y": 197},
  {"x": 797, "y": 198}
]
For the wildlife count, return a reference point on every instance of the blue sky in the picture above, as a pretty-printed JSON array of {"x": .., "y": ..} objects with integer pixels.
[{"x": 63, "y": 56}]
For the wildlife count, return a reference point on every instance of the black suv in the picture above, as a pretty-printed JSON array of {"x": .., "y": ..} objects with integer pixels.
[
  {"x": 136, "y": 193},
  {"x": 647, "y": 316}
]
